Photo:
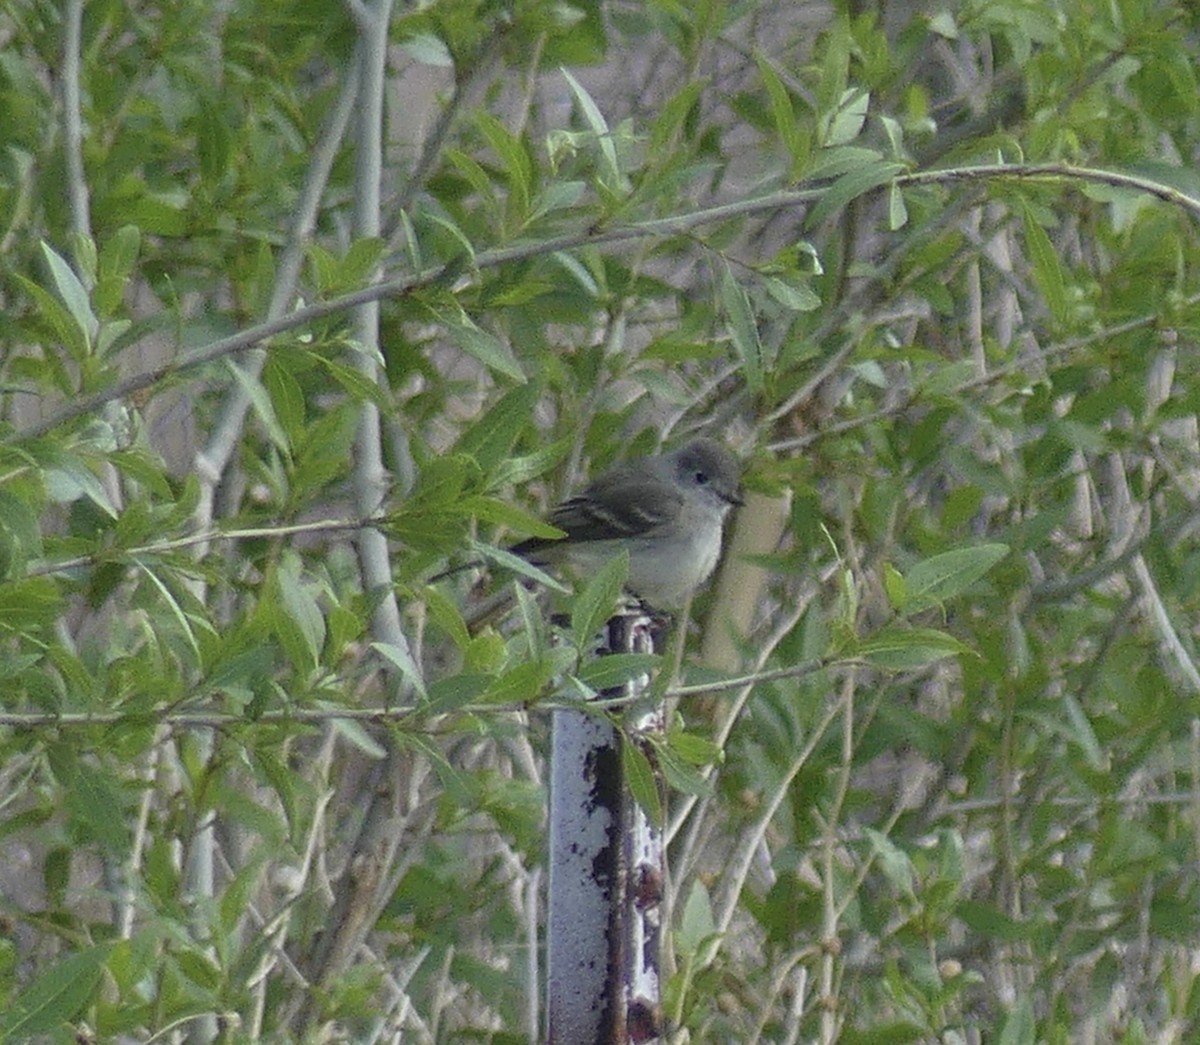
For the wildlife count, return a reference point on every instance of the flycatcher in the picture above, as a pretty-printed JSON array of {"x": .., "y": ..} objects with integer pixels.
[{"x": 666, "y": 510}]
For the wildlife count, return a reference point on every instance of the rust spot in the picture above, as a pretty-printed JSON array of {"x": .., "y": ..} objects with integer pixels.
[
  {"x": 643, "y": 1021},
  {"x": 647, "y": 886}
]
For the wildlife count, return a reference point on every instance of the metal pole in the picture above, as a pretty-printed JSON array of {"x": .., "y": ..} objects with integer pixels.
[{"x": 607, "y": 867}]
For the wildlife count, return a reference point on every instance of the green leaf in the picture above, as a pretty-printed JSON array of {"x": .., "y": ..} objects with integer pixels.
[
  {"x": 443, "y": 480},
  {"x": 1076, "y": 730},
  {"x": 356, "y": 735},
  {"x": 238, "y": 673},
  {"x": 239, "y": 894},
  {"x": 401, "y": 659},
  {"x": 933, "y": 581},
  {"x": 743, "y": 329},
  {"x": 446, "y": 614},
  {"x": 515, "y": 470},
  {"x": 897, "y": 211},
  {"x": 784, "y": 114},
  {"x": 282, "y": 781},
  {"x": 833, "y": 163},
  {"x": 28, "y": 602},
  {"x": 83, "y": 251},
  {"x": 797, "y": 296},
  {"x": 487, "y": 348},
  {"x": 693, "y": 748},
  {"x": 213, "y": 141},
  {"x": 457, "y": 785},
  {"x": 517, "y": 167},
  {"x": 54, "y": 314},
  {"x": 474, "y": 172},
  {"x": 887, "y": 1032},
  {"x": 115, "y": 264},
  {"x": 264, "y": 410},
  {"x": 171, "y": 603},
  {"x": 71, "y": 479},
  {"x": 73, "y": 295},
  {"x": 433, "y": 519},
  {"x": 120, "y": 252},
  {"x": 681, "y": 774},
  {"x": 357, "y": 384},
  {"x": 93, "y": 796},
  {"x": 673, "y": 114},
  {"x": 337, "y": 275},
  {"x": 56, "y": 997},
  {"x": 1047, "y": 271},
  {"x": 110, "y": 334},
  {"x": 493, "y": 510},
  {"x": 509, "y": 561},
  {"x": 906, "y": 649},
  {"x": 286, "y": 396},
  {"x": 595, "y": 604},
  {"x": 835, "y": 63},
  {"x": 558, "y": 195},
  {"x": 849, "y": 187},
  {"x": 893, "y": 861},
  {"x": 1020, "y": 1027},
  {"x": 457, "y": 258},
  {"x": 612, "y": 670},
  {"x": 303, "y": 636},
  {"x": 56, "y": 873},
  {"x": 198, "y": 968},
  {"x": 847, "y": 120},
  {"x": 20, "y": 534},
  {"x": 641, "y": 781},
  {"x": 436, "y": 530},
  {"x": 988, "y": 920},
  {"x": 576, "y": 34},
  {"x": 450, "y": 694},
  {"x": 362, "y": 260},
  {"x": 490, "y": 439},
  {"x": 610, "y": 174},
  {"x": 697, "y": 924},
  {"x": 522, "y": 684}
]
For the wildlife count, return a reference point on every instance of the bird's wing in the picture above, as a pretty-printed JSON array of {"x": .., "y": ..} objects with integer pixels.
[
  {"x": 618, "y": 505},
  {"x": 642, "y": 508}
]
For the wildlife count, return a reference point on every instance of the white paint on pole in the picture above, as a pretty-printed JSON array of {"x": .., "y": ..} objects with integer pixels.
[{"x": 642, "y": 905}]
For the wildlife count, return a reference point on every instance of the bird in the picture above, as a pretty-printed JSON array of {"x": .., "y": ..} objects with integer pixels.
[{"x": 666, "y": 510}]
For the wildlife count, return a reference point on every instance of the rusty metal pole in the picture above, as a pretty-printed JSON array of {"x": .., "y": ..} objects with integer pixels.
[{"x": 607, "y": 866}]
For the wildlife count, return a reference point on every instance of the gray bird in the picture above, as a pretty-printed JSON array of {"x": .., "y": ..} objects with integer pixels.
[{"x": 667, "y": 510}]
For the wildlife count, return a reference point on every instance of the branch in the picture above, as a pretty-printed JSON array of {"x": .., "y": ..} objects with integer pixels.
[
  {"x": 657, "y": 227},
  {"x": 77, "y": 189},
  {"x": 412, "y": 717},
  {"x": 193, "y": 539},
  {"x": 370, "y": 872}
]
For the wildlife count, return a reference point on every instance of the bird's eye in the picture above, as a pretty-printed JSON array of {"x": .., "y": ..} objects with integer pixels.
[{"x": 700, "y": 477}]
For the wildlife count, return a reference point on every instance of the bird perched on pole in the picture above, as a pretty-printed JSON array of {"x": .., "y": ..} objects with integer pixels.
[{"x": 666, "y": 510}]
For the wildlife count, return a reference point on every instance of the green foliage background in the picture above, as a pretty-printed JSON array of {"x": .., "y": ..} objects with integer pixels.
[{"x": 270, "y": 269}]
